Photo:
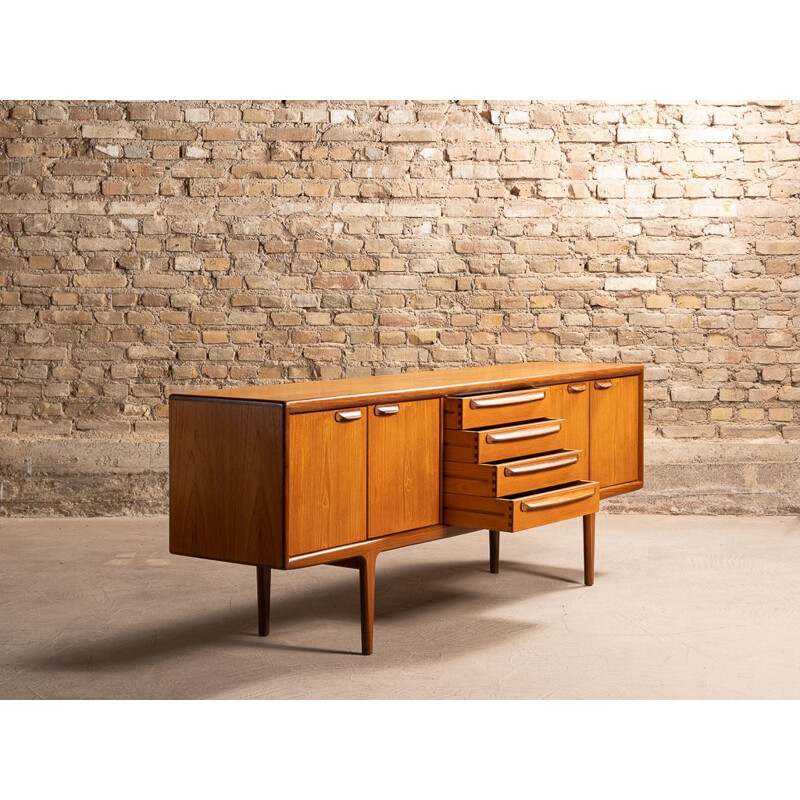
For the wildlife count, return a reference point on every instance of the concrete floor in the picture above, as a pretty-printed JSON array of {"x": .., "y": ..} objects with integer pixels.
[{"x": 682, "y": 607}]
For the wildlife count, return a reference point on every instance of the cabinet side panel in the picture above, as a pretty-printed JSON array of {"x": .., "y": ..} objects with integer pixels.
[
  {"x": 640, "y": 476},
  {"x": 226, "y": 480}
]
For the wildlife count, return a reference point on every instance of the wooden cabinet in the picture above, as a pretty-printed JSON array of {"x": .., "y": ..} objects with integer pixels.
[
  {"x": 326, "y": 502},
  {"x": 336, "y": 472},
  {"x": 404, "y": 468},
  {"x": 616, "y": 431}
]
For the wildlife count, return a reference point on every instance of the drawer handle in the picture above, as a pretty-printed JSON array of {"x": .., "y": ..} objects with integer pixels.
[
  {"x": 603, "y": 384},
  {"x": 540, "y": 466},
  {"x": 526, "y": 433},
  {"x": 347, "y": 416},
  {"x": 576, "y": 388},
  {"x": 496, "y": 402},
  {"x": 386, "y": 411},
  {"x": 556, "y": 501}
]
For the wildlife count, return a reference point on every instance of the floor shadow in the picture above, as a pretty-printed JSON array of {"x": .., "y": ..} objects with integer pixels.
[
  {"x": 402, "y": 591},
  {"x": 254, "y": 640},
  {"x": 574, "y": 576}
]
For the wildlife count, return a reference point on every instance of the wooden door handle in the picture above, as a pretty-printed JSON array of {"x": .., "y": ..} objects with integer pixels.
[
  {"x": 497, "y": 402},
  {"x": 576, "y": 388},
  {"x": 603, "y": 384},
  {"x": 525, "y": 433},
  {"x": 555, "y": 501},
  {"x": 347, "y": 416},
  {"x": 386, "y": 411},
  {"x": 540, "y": 466}
]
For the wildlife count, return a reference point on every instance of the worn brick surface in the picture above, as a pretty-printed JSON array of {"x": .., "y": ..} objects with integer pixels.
[{"x": 148, "y": 246}]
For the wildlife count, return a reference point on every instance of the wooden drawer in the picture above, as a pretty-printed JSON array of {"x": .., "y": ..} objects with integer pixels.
[
  {"x": 499, "y": 408},
  {"x": 522, "y": 511},
  {"x": 515, "y": 477},
  {"x": 497, "y": 444}
]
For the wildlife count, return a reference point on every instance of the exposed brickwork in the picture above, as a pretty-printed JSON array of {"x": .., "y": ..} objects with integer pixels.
[{"x": 145, "y": 246}]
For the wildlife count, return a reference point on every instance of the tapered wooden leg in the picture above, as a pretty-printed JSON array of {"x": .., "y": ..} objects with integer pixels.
[
  {"x": 366, "y": 571},
  {"x": 263, "y": 581},
  {"x": 588, "y": 549},
  {"x": 494, "y": 551}
]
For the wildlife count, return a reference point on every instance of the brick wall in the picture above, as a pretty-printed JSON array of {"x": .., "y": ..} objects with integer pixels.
[{"x": 145, "y": 246}]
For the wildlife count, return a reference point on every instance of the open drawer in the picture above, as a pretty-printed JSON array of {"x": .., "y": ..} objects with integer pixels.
[
  {"x": 516, "y": 477},
  {"x": 500, "y": 408},
  {"x": 520, "y": 512},
  {"x": 513, "y": 441}
]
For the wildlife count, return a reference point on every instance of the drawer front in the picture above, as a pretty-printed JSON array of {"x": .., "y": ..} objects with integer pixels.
[
  {"x": 500, "y": 408},
  {"x": 542, "y": 508},
  {"x": 522, "y": 511},
  {"x": 497, "y": 444},
  {"x": 516, "y": 477}
]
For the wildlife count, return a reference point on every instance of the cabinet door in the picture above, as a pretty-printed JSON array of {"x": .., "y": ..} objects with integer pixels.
[
  {"x": 616, "y": 426},
  {"x": 404, "y": 466},
  {"x": 327, "y": 480}
]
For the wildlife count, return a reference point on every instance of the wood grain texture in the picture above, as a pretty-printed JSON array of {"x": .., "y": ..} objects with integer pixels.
[
  {"x": 588, "y": 549},
  {"x": 498, "y": 408},
  {"x": 494, "y": 552},
  {"x": 575, "y": 410},
  {"x": 640, "y": 476},
  {"x": 522, "y": 512},
  {"x": 226, "y": 480},
  {"x": 326, "y": 482},
  {"x": 514, "y": 477},
  {"x": 404, "y": 468},
  {"x": 366, "y": 575},
  {"x": 356, "y": 480},
  {"x": 620, "y": 488},
  {"x": 263, "y": 586},
  {"x": 348, "y": 392},
  {"x": 390, "y": 542},
  {"x": 503, "y": 443},
  {"x": 562, "y": 403},
  {"x": 227, "y": 501},
  {"x": 616, "y": 431}
]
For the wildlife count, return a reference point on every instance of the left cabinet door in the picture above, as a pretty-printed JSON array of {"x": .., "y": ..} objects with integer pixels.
[{"x": 326, "y": 504}]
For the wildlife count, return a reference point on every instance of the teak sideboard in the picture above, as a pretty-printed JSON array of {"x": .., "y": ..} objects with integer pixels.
[{"x": 336, "y": 472}]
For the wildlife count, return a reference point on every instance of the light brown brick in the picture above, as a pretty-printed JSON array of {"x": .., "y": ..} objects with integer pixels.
[{"x": 306, "y": 235}]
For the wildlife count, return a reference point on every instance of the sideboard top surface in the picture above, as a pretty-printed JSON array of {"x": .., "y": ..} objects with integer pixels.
[{"x": 318, "y": 395}]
